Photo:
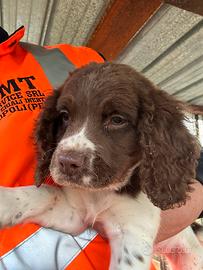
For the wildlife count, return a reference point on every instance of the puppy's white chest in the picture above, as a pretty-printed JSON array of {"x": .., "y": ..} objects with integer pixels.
[
  {"x": 90, "y": 204},
  {"x": 96, "y": 205}
]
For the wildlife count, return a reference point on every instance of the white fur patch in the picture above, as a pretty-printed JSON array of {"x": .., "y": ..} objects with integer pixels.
[
  {"x": 78, "y": 141},
  {"x": 86, "y": 180}
]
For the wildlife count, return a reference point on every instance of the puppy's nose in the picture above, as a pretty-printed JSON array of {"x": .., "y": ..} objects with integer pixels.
[{"x": 71, "y": 162}]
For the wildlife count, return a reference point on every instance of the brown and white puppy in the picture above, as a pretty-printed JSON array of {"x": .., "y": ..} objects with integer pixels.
[{"x": 119, "y": 149}]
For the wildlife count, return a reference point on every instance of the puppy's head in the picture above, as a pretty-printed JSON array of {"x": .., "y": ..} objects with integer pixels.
[{"x": 108, "y": 127}]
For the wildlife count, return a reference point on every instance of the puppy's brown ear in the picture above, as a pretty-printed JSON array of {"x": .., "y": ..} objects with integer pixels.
[
  {"x": 45, "y": 137},
  {"x": 169, "y": 151}
]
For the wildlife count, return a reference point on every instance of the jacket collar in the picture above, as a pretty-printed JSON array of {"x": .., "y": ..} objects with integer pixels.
[{"x": 10, "y": 44}]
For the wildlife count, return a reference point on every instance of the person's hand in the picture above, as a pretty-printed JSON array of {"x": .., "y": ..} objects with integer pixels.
[{"x": 175, "y": 220}]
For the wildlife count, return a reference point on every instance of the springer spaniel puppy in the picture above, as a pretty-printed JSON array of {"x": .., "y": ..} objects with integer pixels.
[{"x": 119, "y": 151}]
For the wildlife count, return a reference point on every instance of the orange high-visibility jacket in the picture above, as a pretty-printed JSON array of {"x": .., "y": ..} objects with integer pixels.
[{"x": 28, "y": 73}]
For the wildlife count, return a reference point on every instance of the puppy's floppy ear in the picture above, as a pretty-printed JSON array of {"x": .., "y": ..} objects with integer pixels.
[
  {"x": 169, "y": 151},
  {"x": 45, "y": 137}
]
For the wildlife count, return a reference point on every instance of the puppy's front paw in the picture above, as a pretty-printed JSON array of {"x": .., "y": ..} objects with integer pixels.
[
  {"x": 131, "y": 252},
  {"x": 129, "y": 258}
]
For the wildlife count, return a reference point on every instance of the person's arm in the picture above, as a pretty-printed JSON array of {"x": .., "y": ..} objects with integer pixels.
[{"x": 175, "y": 220}]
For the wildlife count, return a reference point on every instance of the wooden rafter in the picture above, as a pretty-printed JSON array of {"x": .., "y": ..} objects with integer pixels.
[
  {"x": 195, "y": 109},
  {"x": 195, "y": 6},
  {"x": 123, "y": 19}
]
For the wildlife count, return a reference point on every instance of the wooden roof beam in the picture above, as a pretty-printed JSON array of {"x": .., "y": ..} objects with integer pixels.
[
  {"x": 195, "y": 6},
  {"x": 195, "y": 109},
  {"x": 122, "y": 20}
]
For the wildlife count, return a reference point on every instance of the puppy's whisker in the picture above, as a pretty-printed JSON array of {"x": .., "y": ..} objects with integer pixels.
[
  {"x": 51, "y": 149},
  {"x": 96, "y": 216}
]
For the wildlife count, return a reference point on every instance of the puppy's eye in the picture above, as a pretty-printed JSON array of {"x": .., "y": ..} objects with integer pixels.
[
  {"x": 64, "y": 115},
  {"x": 116, "y": 121}
]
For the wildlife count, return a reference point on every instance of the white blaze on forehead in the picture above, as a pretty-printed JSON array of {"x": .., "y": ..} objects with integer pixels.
[{"x": 78, "y": 141}]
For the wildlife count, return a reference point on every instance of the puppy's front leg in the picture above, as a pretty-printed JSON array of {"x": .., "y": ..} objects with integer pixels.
[
  {"x": 22, "y": 203},
  {"x": 131, "y": 226}
]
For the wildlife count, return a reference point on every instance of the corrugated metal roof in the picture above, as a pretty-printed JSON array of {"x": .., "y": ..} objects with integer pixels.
[
  {"x": 169, "y": 51},
  {"x": 53, "y": 21}
]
